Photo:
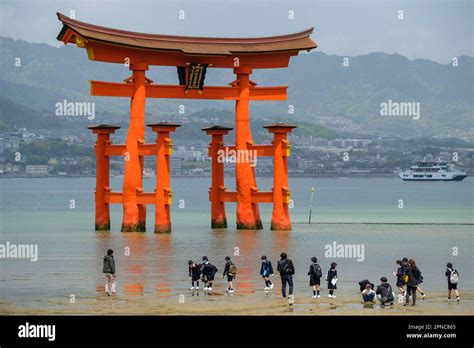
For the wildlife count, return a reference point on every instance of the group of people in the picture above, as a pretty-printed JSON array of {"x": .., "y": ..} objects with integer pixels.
[{"x": 408, "y": 278}]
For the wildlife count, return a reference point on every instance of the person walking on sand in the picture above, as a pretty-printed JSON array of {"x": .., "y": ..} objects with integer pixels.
[
  {"x": 208, "y": 272},
  {"x": 315, "y": 273},
  {"x": 414, "y": 275},
  {"x": 231, "y": 271},
  {"x": 266, "y": 270},
  {"x": 453, "y": 277},
  {"x": 286, "y": 269},
  {"x": 385, "y": 293},
  {"x": 399, "y": 274},
  {"x": 194, "y": 274},
  {"x": 109, "y": 271},
  {"x": 331, "y": 278}
]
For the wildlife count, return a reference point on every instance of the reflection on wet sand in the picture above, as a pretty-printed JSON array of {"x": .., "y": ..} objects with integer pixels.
[
  {"x": 134, "y": 246},
  {"x": 163, "y": 245}
]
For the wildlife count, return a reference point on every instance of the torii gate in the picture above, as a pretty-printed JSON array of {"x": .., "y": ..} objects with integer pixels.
[{"x": 142, "y": 50}]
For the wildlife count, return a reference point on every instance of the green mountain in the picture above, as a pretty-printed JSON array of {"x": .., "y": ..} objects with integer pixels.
[{"x": 321, "y": 89}]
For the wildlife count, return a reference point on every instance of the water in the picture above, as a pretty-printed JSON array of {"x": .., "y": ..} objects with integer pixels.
[{"x": 436, "y": 217}]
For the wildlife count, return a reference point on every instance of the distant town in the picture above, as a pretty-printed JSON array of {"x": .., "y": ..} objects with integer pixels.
[{"x": 70, "y": 152}]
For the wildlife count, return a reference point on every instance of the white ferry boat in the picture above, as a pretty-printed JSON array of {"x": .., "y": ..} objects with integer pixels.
[{"x": 432, "y": 171}]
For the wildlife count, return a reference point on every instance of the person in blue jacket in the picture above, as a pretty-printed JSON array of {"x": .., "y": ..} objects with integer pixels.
[{"x": 266, "y": 270}]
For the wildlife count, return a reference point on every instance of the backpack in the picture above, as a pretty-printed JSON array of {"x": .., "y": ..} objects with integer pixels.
[
  {"x": 454, "y": 277},
  {"x": 317, "y": 272},
  {"x": 232, "y": 270},
  {"x": 285, "y": 267}
]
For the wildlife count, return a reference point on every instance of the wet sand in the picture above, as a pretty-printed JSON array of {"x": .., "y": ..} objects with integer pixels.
[{"x": 222, "y": 303}]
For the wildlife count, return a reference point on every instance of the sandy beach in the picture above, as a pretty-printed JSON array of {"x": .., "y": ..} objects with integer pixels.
[{"x": 220, "y": 303}]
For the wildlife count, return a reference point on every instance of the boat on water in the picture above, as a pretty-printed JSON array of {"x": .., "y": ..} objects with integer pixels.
[{"x": 432, "y": 171}]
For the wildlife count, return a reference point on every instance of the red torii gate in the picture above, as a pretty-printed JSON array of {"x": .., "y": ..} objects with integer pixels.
[{"x": 140, "y": 51}]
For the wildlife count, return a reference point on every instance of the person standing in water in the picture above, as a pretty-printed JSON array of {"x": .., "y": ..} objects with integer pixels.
[
  {"x": 231, "y": 271},
  {"x": 286, "y": 269},
  {"x": 266, "y": 270},
  {"x": 331, "y": 278},
  {"x": 194, "y": 274},
  {"x": 109, "y": 271},
  {"x": 453, "y": 277},
  {"x": 208, "y": 272},
  {"x": 315, "y": 273}
]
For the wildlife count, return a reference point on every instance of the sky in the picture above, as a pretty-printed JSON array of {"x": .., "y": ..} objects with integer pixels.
[{"x": 429, "y": 29}]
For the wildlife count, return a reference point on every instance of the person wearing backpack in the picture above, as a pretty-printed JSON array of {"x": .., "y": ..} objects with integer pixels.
[
  {"x": 453, "y": 277},
  {"x": 266, "y": 270},
  {"x": 385, "y": 293},
  {"x": 208, "y": 271},
  {"x": 194, "y": 274},
  {"x": 231, "y": 271},
  {"x": 286, "y": 269},
  {"x": 331, "y": 278},
  {"x": 414, "y": 276},
  {"x": 315, "y": 273}
]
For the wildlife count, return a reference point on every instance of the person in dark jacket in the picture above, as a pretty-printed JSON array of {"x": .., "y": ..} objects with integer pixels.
[
  {"x": 194, "y": 274},
  {"x": 286, "y": 269},
  {"x": 384, "y": 292},
  {"x": 414, "y": 276},
  {"x": 266, "y": 270},
  {"x": 399, "y": 274},
  {"x": 229, "y": 270},
  {"x": 453, "y": 275},
  {"x": 109, "y": 271},
  {"x": 315, "y": 273},
  {"x": 331, "y": 278},
  {"x": 208, "y": 272}
]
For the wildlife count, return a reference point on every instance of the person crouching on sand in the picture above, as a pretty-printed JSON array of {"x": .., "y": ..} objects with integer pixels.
[
  {"x": 231, "y": 271},
  {"x": 194, "y": 274},
  {"x": 266, "y": 270},
  {"x": 315, "y": 273},
  {"x": 368, "y": 294},
  {"x": 331, "y": 278},
  {"x": 109, "y": 271},
  {"x": 385, "y": 293},
  {"x": 453, "y": 277}
]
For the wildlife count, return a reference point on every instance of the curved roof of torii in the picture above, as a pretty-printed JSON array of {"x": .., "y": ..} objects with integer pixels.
[{"x": 186, "y": 44}]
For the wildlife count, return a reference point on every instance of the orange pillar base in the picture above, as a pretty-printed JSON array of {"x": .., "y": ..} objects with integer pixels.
[
  {"x": 165, "y": 228},
  {"x": 133, "y": 228},
  {"x": 277, "y": 226},
  {"x": 219, "y": 223},
  {"x": 105, "y": 226}
]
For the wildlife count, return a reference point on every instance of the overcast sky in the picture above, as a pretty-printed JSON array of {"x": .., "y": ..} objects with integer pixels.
[{"x": 430, "y": 29}]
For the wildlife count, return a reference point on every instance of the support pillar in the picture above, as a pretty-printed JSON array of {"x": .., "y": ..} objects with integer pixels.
[
  {"x": 163, "y": 194},
  {"x": 281, "y": 191},
  {"x": 134, "y": 215},
  {"x": 102, "y": 212},
  {"x": 248, "y": 214},
  {"x": 218, "y": 216}
]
